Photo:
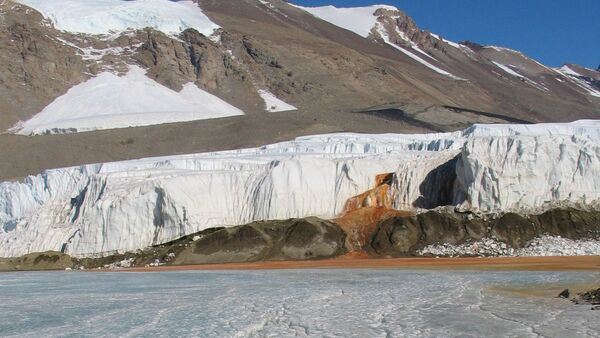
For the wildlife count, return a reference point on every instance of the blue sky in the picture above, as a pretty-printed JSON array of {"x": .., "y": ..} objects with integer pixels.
[{"x": 551, "y": 31}]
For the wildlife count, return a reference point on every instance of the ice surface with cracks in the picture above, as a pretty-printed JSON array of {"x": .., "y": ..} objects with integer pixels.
[{"x": 284, "y": 303}]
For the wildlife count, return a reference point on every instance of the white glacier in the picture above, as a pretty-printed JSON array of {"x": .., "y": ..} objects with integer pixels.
[
  {"x": 129, "y": 205},
  {"x": 109, "y": 101},
  {"x": 113, "y": 17}
]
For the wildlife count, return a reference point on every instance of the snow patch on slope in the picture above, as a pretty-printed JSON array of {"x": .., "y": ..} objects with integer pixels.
[
  {"x": 566, "y": 70},
  {"x": 413, "y": 56},
  {"x": 108, "y": 101},
  {"x": 451, "y": 43},
  {"x": 273, "y": 104},
  {"x": 514, "y": 73},
  {"x": 577, "y": 79},
  {"x": 113, "y": 17},
  {"x": 91, "y": 53},
  {"x": 359, "y": 20},
  {"x": 508, "y": 69},
  {"x": 403, "y": 36},
  {"x": 504, "y": 49}
]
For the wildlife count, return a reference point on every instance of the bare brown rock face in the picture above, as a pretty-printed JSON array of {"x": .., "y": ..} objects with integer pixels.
[
  {"x": 402, "y": 30},
  {"x": 36, "y": 67}
]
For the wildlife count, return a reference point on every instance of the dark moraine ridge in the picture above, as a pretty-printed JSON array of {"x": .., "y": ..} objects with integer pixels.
[
  {"x": 402, "y": 236},
  {"x": 313, "y": 238}
]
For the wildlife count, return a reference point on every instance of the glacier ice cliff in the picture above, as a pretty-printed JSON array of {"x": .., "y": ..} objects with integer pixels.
[{"x": 122, "y": 206}]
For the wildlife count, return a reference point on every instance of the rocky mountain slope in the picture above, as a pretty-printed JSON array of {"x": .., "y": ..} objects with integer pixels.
[{"x": 260, "y": 57}]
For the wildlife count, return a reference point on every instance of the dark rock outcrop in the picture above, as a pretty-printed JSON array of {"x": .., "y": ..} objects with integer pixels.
[
  {"x": 589, "y": 297},
  {"x": 405, "y": 235},
  {"x": 37, "y": 262},
  {"x": 294, "y": 239},
  {"x": 314, "y": 238},
  {"x": 564, "y": 294}
]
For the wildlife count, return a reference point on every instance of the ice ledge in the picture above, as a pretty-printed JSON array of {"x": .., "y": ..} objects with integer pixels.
[{"x": 128, "y": 205}]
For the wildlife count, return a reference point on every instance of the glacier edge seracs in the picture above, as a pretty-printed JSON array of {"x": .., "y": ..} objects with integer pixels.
[{"x": 123, "y": 206}]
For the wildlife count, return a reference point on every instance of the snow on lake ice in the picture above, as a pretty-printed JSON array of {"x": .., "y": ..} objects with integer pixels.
[
  {"x": 109, "y": 101},
  {"x": 112, "y": 17},
  {"x": 307, "y": 303}
]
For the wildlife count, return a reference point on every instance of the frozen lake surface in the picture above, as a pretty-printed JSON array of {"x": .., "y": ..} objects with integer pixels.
[{"x": 330, "y": 303}]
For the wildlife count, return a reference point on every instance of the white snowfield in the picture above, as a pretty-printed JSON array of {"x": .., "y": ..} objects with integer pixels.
[
  {"x": 129, "y": 205},
  {"x": 359, "y": 20},
  {"x": 273, "y": 104},
  {"x": 113, "y": 17},
  {"x": 109, "y": 101}
]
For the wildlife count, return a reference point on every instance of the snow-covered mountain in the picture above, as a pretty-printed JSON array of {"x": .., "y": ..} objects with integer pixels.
[
  {"x": 124, "y": 206},
  {"x": 259, "y": 56},
  {"x": 393, "y": 27}
]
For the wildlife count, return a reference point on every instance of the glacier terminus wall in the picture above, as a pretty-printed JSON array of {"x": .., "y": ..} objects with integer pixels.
[{"x": 122, "y": 206}]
